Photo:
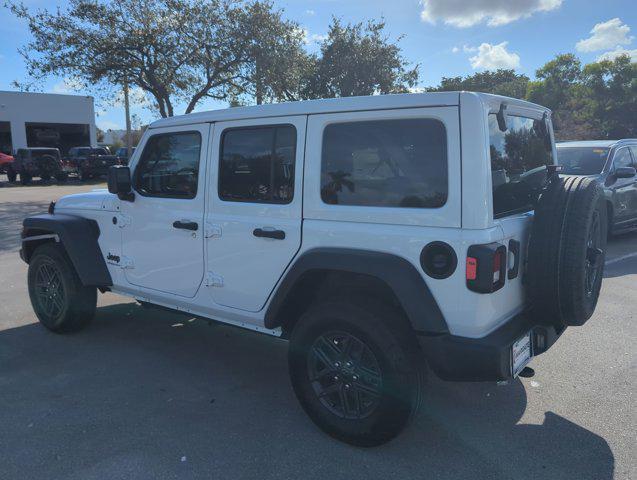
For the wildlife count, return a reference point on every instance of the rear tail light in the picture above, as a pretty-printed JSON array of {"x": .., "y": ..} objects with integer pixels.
[{"x": 486, "y": 267}]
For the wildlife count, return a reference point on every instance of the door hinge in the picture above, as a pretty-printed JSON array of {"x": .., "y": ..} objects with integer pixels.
[
  {"x": 122, "y": 220},
  {"x": 212, "y": 230},
  {"x": 126, "y": 263},
  {"x": 213, "y": 280}
]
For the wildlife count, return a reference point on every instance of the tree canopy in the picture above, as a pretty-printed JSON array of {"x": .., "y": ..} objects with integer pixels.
[
  {"x": 598, "y": 100},
  {"x": 180, "y": 52}
]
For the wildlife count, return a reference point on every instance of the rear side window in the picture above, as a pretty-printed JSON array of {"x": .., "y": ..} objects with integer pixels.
[
  {"x": 385, "y": 163},
  {"x": 518, "y": 156},
  {"x": 257, "y": 164},
  {"x": 169, "y": 165}
]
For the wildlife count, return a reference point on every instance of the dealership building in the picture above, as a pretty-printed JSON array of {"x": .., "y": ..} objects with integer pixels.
[{"x": 46, "y": 120}]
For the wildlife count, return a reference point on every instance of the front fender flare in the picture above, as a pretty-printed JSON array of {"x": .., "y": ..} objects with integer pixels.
[
  {"x": 79, "y": 237},
  {"x": 396, "y": 272}
]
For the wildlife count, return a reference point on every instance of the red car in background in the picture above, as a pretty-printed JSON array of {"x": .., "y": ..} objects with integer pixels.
[{"x": 6, "y": 166}]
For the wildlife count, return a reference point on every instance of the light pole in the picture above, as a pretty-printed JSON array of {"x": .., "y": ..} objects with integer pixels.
[{"x": 127, "y": 109}]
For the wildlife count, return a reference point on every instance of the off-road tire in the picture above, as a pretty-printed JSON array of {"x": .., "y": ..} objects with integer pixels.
[
  {"x": 76, "y": 308},
  {"x": 566, "y": 250},
  {"x": 25, "y": 178},
  {"x": 11, "y": 174},
  {"x": 388, "y": 336}
]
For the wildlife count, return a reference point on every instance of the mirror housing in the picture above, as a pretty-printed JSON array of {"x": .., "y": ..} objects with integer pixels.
[
  {"x": 625, "y": 172},
  {"x": 502, "y": 117},
  {"x": 119, "y": 182}
]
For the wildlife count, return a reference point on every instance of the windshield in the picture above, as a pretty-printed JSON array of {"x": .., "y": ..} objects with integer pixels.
[
  {"x": 582, "y": 160},
  {"x": 519, "y": 157}
]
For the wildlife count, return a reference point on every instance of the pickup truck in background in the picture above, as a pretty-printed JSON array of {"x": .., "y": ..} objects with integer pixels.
[{"x": 90, "y": 162}]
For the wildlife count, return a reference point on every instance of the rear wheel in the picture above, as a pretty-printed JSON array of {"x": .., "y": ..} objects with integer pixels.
[
  {"x": 60, "y": 301},
  {"x": 356, "y": 370},
  {"x": 25, "y": 178}
]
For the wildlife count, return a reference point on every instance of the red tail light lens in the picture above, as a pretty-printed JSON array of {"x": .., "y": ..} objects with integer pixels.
[{"x": 486, "y": 267}]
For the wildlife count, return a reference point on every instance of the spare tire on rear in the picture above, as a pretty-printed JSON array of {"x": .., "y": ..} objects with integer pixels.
[{"x": 567, "y": 250}]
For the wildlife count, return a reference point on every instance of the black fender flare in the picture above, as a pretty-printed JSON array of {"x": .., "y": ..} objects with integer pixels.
[
  {"x": 400, "y": 275},
  {"x": 79, "y": 237}
]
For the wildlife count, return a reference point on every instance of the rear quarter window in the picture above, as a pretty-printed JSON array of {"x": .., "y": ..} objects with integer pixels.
[{"x": 385, "y": 163}]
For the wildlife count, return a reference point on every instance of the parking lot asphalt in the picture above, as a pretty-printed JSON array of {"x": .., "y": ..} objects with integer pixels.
[{"x": 149, "y": 394}]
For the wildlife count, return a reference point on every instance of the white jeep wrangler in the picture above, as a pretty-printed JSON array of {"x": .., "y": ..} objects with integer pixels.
[{"x": 378, "y": 234}]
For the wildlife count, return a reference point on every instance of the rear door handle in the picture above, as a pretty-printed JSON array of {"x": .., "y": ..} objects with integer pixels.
[
  {"x": 185, "y": 225},
  {"x": 276, "y": 234}
]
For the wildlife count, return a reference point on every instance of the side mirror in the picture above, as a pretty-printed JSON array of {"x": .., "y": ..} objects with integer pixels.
[
  {"x": 625, "y": 172},
  {"x": 119, "y": 182}
]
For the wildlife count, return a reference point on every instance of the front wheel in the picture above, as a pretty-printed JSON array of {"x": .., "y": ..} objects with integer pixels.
[
  {"x": 356, "y": 370},
  {"x": 60, "y": 301},
  {"x": 11, "y": 174}
]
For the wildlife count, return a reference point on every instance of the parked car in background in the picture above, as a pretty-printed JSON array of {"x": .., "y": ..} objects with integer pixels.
[
  {"x": 6, "y": 166},
  {"x": 122, "y": 155},
  {"x": 613, "y": 163},
  {"x": 90, "y": 162},
  {"x": 39, "y": 162}
]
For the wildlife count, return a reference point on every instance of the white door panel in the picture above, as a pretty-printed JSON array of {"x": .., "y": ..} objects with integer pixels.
[
  {"x": 163, "y": 255},
  {"x": 246, "y": 267}
]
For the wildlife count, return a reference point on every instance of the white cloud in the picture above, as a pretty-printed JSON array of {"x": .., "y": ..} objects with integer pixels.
[
  {"x": 492, "y": 57},
  {"x": 106, "y": 125},
  {"x": 455, "y": 50},
  {"x": 310, "y": 38},
  {"x": 468, "y": 49},
  {"x": 463, "y": 13},
  {"x": 606, "y": 35},
  {"x": 613, "y": 54},
  {"x": 68, "y": 86},
  {"x": 310, "y": 12}
]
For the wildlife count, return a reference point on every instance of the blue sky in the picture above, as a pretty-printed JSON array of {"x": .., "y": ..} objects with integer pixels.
[{"x": 445, "y": 37}]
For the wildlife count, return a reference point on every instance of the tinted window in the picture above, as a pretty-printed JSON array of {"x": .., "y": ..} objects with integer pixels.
[
  {"x": 622, "y": 158},
  {"x": 169, "y": 165},
  {"x": 385, "y": 163},
  {"x": 582, "y": 160},
  {"x": 519, "y": 156},
  {"x": 257, "y": 164},
  {"x": 633, "y": 150}
]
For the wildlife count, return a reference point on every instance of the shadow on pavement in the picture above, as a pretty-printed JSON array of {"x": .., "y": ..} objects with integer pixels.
[
  {"x": 150, "y": 394},
  {"x": 12, "y": 214}
]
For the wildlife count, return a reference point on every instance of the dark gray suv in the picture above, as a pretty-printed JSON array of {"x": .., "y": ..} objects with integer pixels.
[{"x": 613, "y": 163}]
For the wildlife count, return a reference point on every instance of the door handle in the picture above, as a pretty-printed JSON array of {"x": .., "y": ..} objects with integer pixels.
[
  {"x": 276, "y": 234},
  {"x": 185, "y": 225}
]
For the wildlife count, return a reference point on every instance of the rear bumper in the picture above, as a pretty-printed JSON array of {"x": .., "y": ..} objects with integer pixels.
[{"x": 487, "y": 358}]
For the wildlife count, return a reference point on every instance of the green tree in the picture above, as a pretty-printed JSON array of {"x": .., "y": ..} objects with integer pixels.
[
  {"x": 499, "y": 82},
  {"x": 613, "y": 87},
  {"x": 176, "y": 50},
  {"x": 277, "y": 66},
  {"x": 359, "y": 59}
]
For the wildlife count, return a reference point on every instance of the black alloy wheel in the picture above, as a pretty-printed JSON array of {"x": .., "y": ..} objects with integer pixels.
[
  {"x": 345, "y": 375},
  {"x": 49, "y": 289}
]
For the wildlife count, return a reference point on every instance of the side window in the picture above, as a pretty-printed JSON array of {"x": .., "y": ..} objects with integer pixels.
[
  {"x": 517, "y": 154},
  {"x": 169, "y": 165},
  {"x": 257, "y": 164},
  {"x": 622, "y": 158},
  {"x": 633, "y": 150},
  {"x": 385, "y": 163}
]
